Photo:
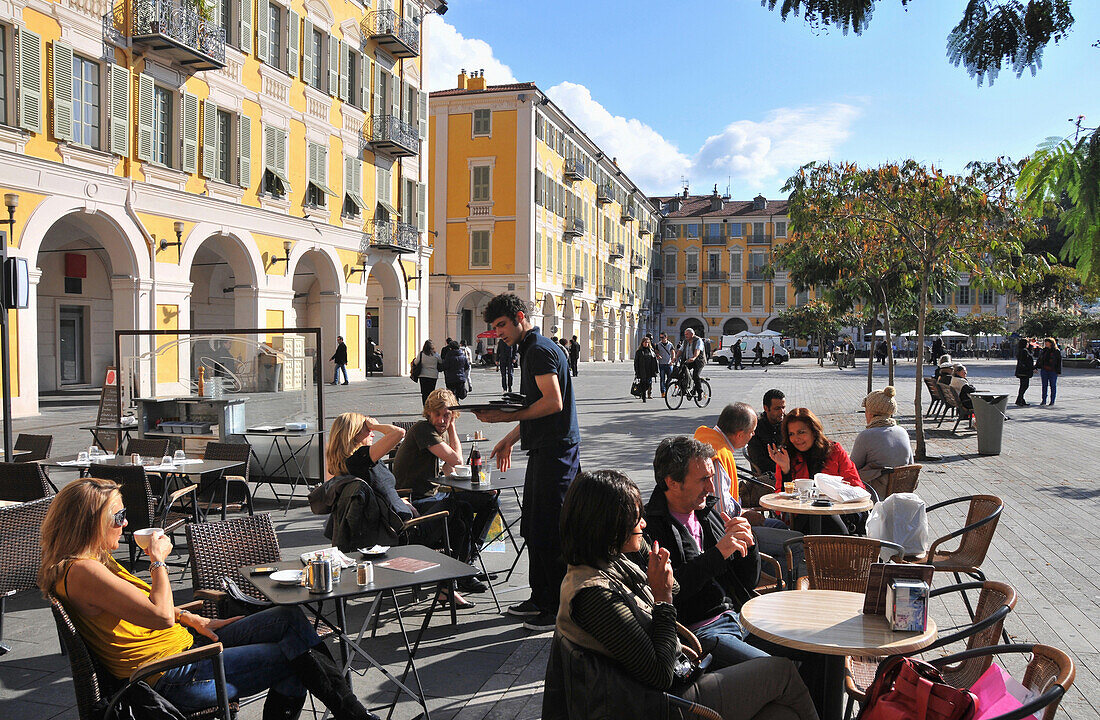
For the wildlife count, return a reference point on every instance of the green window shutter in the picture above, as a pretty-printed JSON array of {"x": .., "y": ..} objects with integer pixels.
[
  {"x": 423, "y": 107},
  {"x": 311, "y": 162},
  {"x": 364, "y": 83},
  {"x": 263, "y": 23},
  {"x": 271, "y": 153},
  {"x": 349, "y": 177},
  {"x": 145, "y": 118},
  {"x": 244, "y": 151},
  {"x": 345, "y": 66},
  {"x": 29, "y": 81},
  {"x": 379, "y": 184},
  {"x": 190, "y": 123},
  {"x": 395, "y": 96},
  {"x": 119, "y": 102},
  {"x": 283, "y": 140},
  {"x": 333, "y": 66},
  {"x": 209, "y": 138},
  {"x": 244, "y": 25},
  {"x": 62, "y": 91},
  {"x": 357, "y": 177},
  {"x": 293, "y": 25},
  {"x": 421, "y": 207},
  {"x": 376, "y": 105},
  {"x": 307, "y": 52}
]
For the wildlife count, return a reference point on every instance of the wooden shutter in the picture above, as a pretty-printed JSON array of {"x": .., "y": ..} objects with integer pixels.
[
  {"x": 379, "y": 186},
  {"x": 118, "y": 83},
  {"x": 244, "y": 151},
  {"x": 244, "y": 25},
  {"x": 345, "y": 68},
  {"x": 307, "y": 52},
  {"x": 29, "y": 80},
  {"x": 349, "y": 177},
  {"x": 395, "y": 95},
  {"x": 62, "y": 91},
  {"x": 406, "y": 104},
  {"x": 364, "y": 82},
  {"x": 292, "y": 24},
  {"x": 283, "y": 139},
  {"x": 190, "y": 122},
  {"x": 312, "y": 163},
  {"x": 271, "y": 153},
  {"x": 263, "y": 24},
  {"x": 376, "y": 105},
  {"x": 422, "y": 106},
  {"x": 333, "y": 65},
  {"x": 145, "y": 118},
  {"x": 209, "y": 138},
  {"x": 421, "y": 207}
]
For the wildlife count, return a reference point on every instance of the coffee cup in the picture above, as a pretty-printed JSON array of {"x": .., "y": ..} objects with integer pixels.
[
  {"x": 804, "y": 487},
  {"x": 145, "y": 536},
  {"x": 462, "y": 471}
]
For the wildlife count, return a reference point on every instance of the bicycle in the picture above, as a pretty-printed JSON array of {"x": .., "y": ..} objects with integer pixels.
[{"x": 679, "y": 387}]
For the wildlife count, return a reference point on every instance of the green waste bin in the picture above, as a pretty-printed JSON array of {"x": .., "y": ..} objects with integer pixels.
[{"x": 989, "y": 417}]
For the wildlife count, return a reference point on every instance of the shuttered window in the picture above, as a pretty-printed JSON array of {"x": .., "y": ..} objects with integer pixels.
[
  {"x": 423, "y": 119},
  {"x": 333, "y": 65},
  {"x": 209, "y": 139},
  {"x": 119, "y": 86},
  {"x": 244, "y": 151},
  {"x": 244, "y": 25},
  {"x": 162, "y": 126},
  {"x": 85, "y": 84},
  {"x": 480, "y": 249},
  {"x": 275, "y": 181},
  {"x": 3, "y": 75},
  {"x": 483, "y": 122},
  {"x": 293, "y": 26},
  {"x": 353, "y": 186},
  {"x": 421, "y": 207},
  {"x": 480, "y": 183},
  {"x": 317, "y": 163},
  {"x": 29, "y": 81},
  {"x": 308, "y": 72},
  {"x": 275, "y": 35},
  {"x": 345, "y": 68},
  {"x": 223, "y": 153},
  {"x": 318, "y": 59},
  {"x": 189, "y": 122},
  {"x": 63, "y": 91}
]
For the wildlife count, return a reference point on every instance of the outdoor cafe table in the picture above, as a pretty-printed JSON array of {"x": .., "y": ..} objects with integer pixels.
[
  {"x": 794, "y": 506},
  {"x": 291, "y": 457},
  {"x": 386, "y": 582},
  {"x": 124, "y": 432},
  {"x": 830, "y": 624}
]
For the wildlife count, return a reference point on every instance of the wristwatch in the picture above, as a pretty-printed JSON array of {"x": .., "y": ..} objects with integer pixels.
[{"x": 157, "y": 564}]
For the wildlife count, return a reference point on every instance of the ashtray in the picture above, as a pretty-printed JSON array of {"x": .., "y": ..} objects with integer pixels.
[{"x": 823, "y": 502}]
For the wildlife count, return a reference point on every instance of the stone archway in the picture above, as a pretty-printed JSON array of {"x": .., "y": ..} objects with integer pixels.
[
  {"x": 734, "y": 325},
  {"x": 388, "y": 321},
  {"x": 471, "y": 316},
  {"x": 568, "y": 319},
  {"x": 550, "y": 319},
  {"x": 777, "y": 325},
  {"x": 223, "y": 283},
  {"x": 695, "y": 324},
  {"x": 614, "y": 352}
]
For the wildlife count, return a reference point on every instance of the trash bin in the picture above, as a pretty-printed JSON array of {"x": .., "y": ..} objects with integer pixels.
[{"x": 989, "y": 417}]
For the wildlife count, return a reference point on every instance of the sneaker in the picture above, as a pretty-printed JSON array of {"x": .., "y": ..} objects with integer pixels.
[
  {"x": 471, "y": 585},
  {"x": 527, "y": 608},
  {"x": 542, "y": 622}
]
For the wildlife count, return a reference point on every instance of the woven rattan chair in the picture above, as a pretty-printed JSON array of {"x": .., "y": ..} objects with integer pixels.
[
  {"x": 148, "y": 447},
  {"x": 23, "y": 482},
  {"x": 37, "y": 446},
  {"x": 771, "y": 575},
  {"x": 218, "y": 549},
  {"x": 1049, "y": 674},
  {"x": 995, "y": 602},
  {"x": 900, "y": 479},
  {"x": 20, "y": 552},
  {"x": 242, "y": 499},
  {"x": 96, "y": 687},
  {"x": 839, "y": 562}
]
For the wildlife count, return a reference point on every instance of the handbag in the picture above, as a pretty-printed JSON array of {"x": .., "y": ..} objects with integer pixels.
[
  {"x": 414, "y": 371},
  {"x": 636, "y": 388},
  {"x": 907, "y": 688}
]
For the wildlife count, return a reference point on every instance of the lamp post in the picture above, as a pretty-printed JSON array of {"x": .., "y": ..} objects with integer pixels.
[{"x": 11, "y": 200}]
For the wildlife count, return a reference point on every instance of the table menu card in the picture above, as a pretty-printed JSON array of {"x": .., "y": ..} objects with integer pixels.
[
  {"x": 879, "y": 579},
  {"x": 407, "y": 564}
]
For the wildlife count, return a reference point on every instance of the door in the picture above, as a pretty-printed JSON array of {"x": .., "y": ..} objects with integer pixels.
[
  {"x": 466, "y": 331},
  {"x": 70, "y": 334}
]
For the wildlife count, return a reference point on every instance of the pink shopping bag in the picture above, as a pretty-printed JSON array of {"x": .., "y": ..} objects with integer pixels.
[{"x": 999, "y": 693}]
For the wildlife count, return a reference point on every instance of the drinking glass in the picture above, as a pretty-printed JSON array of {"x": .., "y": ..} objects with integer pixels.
[
  {"x": 166, "y": 460},
  {"x": 83, "y": 457},
  {"x": 179, "y": 456},
  {"x": 94, "y": 452}
]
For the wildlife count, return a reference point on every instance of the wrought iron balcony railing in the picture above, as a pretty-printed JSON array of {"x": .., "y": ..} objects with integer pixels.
[
  {"x": 628, "y": 212},
  {"x": 615, "y": 251},
  {"x": 715, "y": 276},
  {"x": 574, "y": 227},
  {"x": 636, "y": 261},
  {"x": 758, "y": 274},
  {"x": 390, "y": 235},
  {"x": 603, "y": 194},
  {"x": 714, "y": 240},
  {"x": 604, "y": 292},
  {"x": 169, "y": 29},
  {"x": 760, "y": 239},
  {"x": 392, "y": 136},
  {"x": 628, "y": 299},
  {"x": 645, "y": 229},
  {"x": 577, "y": 284},
  {"x": 396, "y": 35},
  {"x": 573, "y": 170}
]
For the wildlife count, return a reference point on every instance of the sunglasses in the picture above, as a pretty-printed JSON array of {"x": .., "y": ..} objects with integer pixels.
[{"x": 119, "y": 518}]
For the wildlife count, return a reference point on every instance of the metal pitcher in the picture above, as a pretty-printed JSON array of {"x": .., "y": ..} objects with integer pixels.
[{"x": 319, "y": 576}]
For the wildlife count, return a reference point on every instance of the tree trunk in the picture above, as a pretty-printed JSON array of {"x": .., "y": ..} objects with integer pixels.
[
  {"x": 917, "y": 399},
  {"x": 889, "y": 338},
  {"x": 821, "y": 350},
  {"x": 871, "y": 351}
]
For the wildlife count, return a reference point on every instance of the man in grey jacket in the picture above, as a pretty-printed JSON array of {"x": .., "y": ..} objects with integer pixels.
[{"x": 665, "y": 350}]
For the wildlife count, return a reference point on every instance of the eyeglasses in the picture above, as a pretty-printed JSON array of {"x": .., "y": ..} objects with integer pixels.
[{"x": 119, "y": 518}]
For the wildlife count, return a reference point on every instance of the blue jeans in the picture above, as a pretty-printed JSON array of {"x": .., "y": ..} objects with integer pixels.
[
  {"x": 336, "y": 373},
  {"x": 258, "y": 650},
  {"x": 728, "y": 640},
  {"x": 666, "y": 371},
  {"x": 1049, "y": 378}
]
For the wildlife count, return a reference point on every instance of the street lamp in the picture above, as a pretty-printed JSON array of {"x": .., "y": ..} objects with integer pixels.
[
  {"x": 286, "y": 256},
  {"x": 178, "y": 227},
  {"x": 11, "y": 201}
]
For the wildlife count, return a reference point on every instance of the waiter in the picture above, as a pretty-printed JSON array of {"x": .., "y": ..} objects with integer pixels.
[{"x": 548, "y": 431}]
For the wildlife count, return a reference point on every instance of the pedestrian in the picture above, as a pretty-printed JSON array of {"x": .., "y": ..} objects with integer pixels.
[
  {"x": 850, "y": 352},
  {"x": 465, "y": 347},
  {"x": 645, "y": 368},
  {"x": 574, "y": 355},
  {"x": 1050, "y": 367},
  {"x": 548, "y": 431},
  {"x": 505, "y": 356},
  {"x": 479, "y": 353},
  {"x": 1025, "y": 368},
  {"x": 937, "y": 348},
  {"x": 738, "y": 356},
  {"x": 446, "y": 349},
  {"x": 340, "y": 357},
  {"x": 371, "y": 353},
  {"x": 758, "y": 353},
  {"x": 430, "y": 364},
  {"x": 665, "y": 352},
  {"x": 692, "y": 354},
  {"x": 456, "y": 370}
]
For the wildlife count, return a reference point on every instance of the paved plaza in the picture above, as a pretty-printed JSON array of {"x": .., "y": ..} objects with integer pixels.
[{"x": 489, "y": 667}]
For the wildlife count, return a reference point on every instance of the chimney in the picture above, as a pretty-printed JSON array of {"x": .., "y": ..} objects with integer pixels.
[
  {"x": 462, "y": 79},
  {"x": 715, "y": 200},
  {"x": 685, "y": 191},
  {"x": 477, "y": 80}
]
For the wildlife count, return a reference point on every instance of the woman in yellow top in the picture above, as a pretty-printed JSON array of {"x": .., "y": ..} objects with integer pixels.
[{"x": 127, "y": 622}]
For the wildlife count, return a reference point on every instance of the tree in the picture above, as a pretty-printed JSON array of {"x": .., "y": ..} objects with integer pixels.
[
  {"x": 1050, "y": 322},
  {"x": 990, "y": 35},
  {"x": 946, "y": 224},
  {"x": 1058, "y": 285},
  {"x": 815, "y": 319}
]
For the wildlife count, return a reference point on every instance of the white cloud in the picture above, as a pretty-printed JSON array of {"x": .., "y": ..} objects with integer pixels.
[{"x": 448, "y": 51}]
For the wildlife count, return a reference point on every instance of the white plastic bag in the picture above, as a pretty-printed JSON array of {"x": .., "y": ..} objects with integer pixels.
[
  {"x": 901, "y": 519},
  {"x": 834, "y": 488}
]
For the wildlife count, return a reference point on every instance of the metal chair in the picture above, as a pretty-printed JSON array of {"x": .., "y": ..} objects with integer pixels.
[
  {"x": 771, "y": 579},
  {"x": 23, "y": 482},
  {"x": 20, "y": 551},
  {"x": 37, "y": 446},
  {"x": 234, "y": 452},
  {"x": 935, "y": 402},
  {"x": 96, "y": 689},
  {"x": 1049, "y": 674},
  {"x": 839, "y": 562},
  {"x": 900, "y": 479},
  {"x": 148, "y": 447}
]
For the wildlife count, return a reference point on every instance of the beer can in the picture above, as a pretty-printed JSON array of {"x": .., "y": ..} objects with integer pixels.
[{"x": 365, "y": 573}]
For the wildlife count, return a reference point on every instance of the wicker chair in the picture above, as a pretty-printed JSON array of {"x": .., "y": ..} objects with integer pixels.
[
  {"x": 900, "y": 479},
  {"x": 838, "y": 562},
  {"x": 148, "y": 447},
  {"x": 771, "y": 575},
  {"x": 96, "y": 687},
  {"x": 20, "y": 552},
  {"x": 234, "y": 452},
  {"x": 995, "y": 602},
  {"x": 1049, "y": 674},
  {"x": 37, "y": 446},
  {"x": 23, "y": 482},
  {"x": 218, "y": 549}
]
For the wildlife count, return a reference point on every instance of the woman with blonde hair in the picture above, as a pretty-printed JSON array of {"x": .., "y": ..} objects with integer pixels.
[
  {"x": 351, "y": 448},
  {"x": 127, "y": 622},
  {"x": 884, "y": 443}
]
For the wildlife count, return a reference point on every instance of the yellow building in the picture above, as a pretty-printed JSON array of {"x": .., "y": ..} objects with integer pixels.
[
  {"x": 524, "y": 201},
  {"x": 257, "y": 163}
]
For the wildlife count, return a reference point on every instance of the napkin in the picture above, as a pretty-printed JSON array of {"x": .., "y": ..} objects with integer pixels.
[
  {"x": 332, "y": 554},
  {"x": 834, "y": 488}
]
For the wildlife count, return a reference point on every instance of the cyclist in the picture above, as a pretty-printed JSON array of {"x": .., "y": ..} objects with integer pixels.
[{"x": 692, "y": 353}]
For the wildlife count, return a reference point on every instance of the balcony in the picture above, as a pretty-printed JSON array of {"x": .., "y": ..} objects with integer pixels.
[
  {"x": 761, "y": 239},
  {"x": 604, "y": 293},
  {"x": 389, "y": 235},
  {"x": 636, "y": 261},
  {"x": 758, "y": 273},
  {"x": 603, "y": 194},
  {"x": 395, "y": 35},
  {"x": 628, "y": 300},
  {"x": 170, "y": 30},
  {"x": 615, "y": 251},
  {"x": 574, "y": 227},
  {"x": 577, "y": 285},
  {"x": 715, "y": 276},
  {"x": 714, "y": 240},
  {"x": 628, "y": 213},
  {"x": 645, "y": 230},
  {"x": 658, "y": 274},
  {"x": 389, "y": 135},
  {"x": 573, "y": 170}
]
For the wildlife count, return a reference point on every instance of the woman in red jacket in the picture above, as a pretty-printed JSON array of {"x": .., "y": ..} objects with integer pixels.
[{"x": 806, "y": 451}]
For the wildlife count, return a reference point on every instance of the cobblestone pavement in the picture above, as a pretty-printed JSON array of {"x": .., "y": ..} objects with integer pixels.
[{"x": 488, "y": 667}]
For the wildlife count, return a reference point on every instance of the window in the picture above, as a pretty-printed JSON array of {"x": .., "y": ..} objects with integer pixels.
[
  {"x": 480, "y": 184},
  {"x": 756, "y": 263},
  {"x": 801, "y": 298},
  {"x": 691, "y": 296},
  {"x": 275, "y": 182},
  {"x": 758, "y": 229},
  {"x": 225, "y": 18},
  {"x": 483, "y": 122},
  {"x": 316, "y": 50},
  {"x": 714, "y": 296},
  {"x": 758, "y": 296},
  {"x": 85, "y": 102},
  {"x": 780, "y": 296},
  {"x": 713, "y": 231},
  {"x": 275, "y": 36},
  {"x": 987, "y": 297},
  {"x": 480, "y": 250},
  {"x": 714, "y": 262},
  {"x": 3, "y": 75},
  {"x": 162, "y": 125},
  {"x": 670, "y": 296},
  {"x": 225, "y": 125},
  {"x": 734, "y": 229},
  {"x": 693, "y": 230},
  {"x": 351, "y": 68},
  {"x": 964, "y": 297},
  {"x": 735, "y": 263},
  {"x": 735, "y": 297},
  {"x": 781, "y": 229},
  {"x": 692, "y": 263}
]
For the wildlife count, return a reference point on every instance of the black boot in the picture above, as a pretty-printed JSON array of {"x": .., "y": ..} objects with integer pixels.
[
  {"x": 319, "y": 673},
  {"x": 282, "y": 707}
]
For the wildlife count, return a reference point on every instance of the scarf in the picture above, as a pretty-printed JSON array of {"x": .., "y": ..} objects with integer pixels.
[{"x": 881, "y": 421}]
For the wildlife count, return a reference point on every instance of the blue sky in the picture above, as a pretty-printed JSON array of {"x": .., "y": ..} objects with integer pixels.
[{"x": 714, "y": 89}]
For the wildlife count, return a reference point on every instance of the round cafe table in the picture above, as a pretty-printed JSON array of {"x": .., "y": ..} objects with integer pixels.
[
  {"x": 831, "y": 625},
  {"x": 777, "y": 502}
]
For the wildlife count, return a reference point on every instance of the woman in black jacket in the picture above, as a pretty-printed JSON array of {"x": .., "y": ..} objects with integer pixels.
[
  {"x": 1050, "y": 367},
  {"x": 645, "y": 367},
  {"x": 1025, "y": 368}
]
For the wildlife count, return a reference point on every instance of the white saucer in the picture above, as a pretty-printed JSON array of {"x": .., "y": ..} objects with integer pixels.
[{"x": 287, "y": 577}]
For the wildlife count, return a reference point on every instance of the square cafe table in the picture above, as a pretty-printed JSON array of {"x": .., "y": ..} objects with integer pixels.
[
  {"x": 830, "y": 624},
  {"x": 512, "y": 479},
  {"x": 386, "y": 582},
  {"x": 290, "y": 458}
]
